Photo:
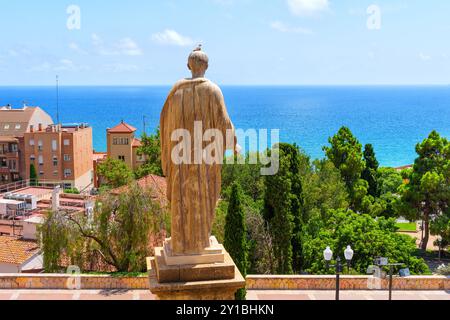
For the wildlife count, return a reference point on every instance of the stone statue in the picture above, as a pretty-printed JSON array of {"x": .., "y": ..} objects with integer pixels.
[{"x": 193, "y": 188}]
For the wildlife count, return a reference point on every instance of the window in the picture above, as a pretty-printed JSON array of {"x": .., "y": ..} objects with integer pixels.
[
  {"x": 41, "y": 173},
  {"x": 14, "y": 148},
  {"x": 32, "y": 157},
  {"x": 31, "y": 142},
  {"x": 55, "y": 173},
  {"x": 66, "y": 157},
  {"x": 18, "y": 126},
  {"x": 54, "y": 145},
  {"x": 121, "y": 141},
  {"x": 41, "y": 160},
  {"x": 67, "y": 173},
  {"x": 55, "y": 161},
  {"x": 66, "y": 142},
  {"x": 40, "y": 145},
  {"x": 6, "y": 127},
  {"x": 122, "y": 158}
]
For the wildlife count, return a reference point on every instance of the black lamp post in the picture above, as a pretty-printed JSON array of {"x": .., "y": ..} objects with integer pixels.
[
  {"x": 439, "y": 242},
  {"x": 339, "y": 267}
]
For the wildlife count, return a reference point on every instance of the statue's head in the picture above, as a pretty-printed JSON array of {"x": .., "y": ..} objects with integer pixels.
[{"x": 198, "y": 62}]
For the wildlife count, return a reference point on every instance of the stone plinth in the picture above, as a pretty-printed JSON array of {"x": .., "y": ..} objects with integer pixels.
[
  {"x": 215, "y": 253},
  {"x": 207, "y": 281}
]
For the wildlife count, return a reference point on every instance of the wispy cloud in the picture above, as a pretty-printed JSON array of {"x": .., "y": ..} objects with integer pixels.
[
  {"x": 128, "y": 47},
  {"x": 424, "y": 57},
  {"x": 281, "y": 27},
  {"x": 171, "y": 37},
  {"x": 76, "y": 48},
  {"x": 59, "y": 66},
  {"x": 125, "y": 46},
  {"x": 307, "y": 7}
]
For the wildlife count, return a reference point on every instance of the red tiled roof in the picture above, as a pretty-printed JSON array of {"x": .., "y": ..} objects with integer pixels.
[
  {"x": 16, "y": 251},
  {"x": 122, "y": 128},
  {"x": 96, "y": 156},
  {"x": 156, "y": 184},
  {"x": 137, "y": 143}
]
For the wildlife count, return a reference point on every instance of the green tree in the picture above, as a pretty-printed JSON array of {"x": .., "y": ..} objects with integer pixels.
[
  {"x": 370, "y": 170},
  {"x": 247, "y": 174},
  {"x": 323, "y": 190},
  {"x": 33, "y": 175},
  {"x": 236, "y": 234},
  {"x": 428, "y": 193},
  {"x": 115, "y": 173},
  {"x": 369, "y": 238},
  {"x": 346, "y": 154},
  {"x": 118, "y": 231},
  {"x": 277, "y": 211},
  {"x": 151, "y": 149}
]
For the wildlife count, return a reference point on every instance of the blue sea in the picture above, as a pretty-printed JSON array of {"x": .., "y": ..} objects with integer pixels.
[{"x": 393, "y": 118}]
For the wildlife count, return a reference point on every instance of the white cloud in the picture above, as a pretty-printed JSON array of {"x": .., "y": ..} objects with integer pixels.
[
  {"x": 61, "y": 65},
  {"x": 280, "y": 26},
  {"x": 424, "y": 57},
  {"x": 119, "y": 67},
  {"x": 128, "y": 47},
  {"x": 171, "y": 37},
  {"x": 307, "y": 7},
  {"x": 76, "y": 48},
  {"x": 125, "y": 46}
]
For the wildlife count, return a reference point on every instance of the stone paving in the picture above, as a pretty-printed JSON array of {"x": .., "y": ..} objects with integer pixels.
[{"x": 252, "y": 295}]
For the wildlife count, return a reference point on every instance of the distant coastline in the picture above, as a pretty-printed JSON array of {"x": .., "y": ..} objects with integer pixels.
[{"x": 393, "y": 118}]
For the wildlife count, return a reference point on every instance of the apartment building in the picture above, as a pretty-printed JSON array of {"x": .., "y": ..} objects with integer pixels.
[
  {"x": 14, "y": 123},
  {"x": 60, "y": 154},
  {"x": 123, "y": 145}
]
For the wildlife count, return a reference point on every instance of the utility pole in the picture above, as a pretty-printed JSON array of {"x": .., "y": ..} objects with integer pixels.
[
  {"x": 144, "y": 117},
  {"x": 57, "y": 99}
]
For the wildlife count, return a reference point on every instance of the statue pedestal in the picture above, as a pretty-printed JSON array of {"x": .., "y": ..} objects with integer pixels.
[{"x": 212, "y": 276}]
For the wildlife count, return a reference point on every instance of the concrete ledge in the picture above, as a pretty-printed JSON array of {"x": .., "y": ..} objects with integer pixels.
[
  {"x": 254, "y": 282},
  {"x": 347, "y": 283},
  {"x": 62, "y": 281}
]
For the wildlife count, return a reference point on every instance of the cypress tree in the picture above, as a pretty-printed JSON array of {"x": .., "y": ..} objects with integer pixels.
[
  {"x": 370, "y": 171},
  {"x": 236, "y": 234},
  {"x": 33, "y": 175},
  {"x": 278, "y": 212}
]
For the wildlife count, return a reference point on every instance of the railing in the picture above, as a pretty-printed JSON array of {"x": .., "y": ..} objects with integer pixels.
[{"x": 10, "y": 187}]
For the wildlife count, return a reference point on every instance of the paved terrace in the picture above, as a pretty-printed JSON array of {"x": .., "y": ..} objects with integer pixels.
[{"x": 299, "y": 295}]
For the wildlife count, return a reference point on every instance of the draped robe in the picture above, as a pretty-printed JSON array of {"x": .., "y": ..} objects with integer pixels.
[{"x": 193, "y": 190}]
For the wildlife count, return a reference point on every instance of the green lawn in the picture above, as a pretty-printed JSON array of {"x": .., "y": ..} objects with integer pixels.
[{"x": 407, "y": 227}]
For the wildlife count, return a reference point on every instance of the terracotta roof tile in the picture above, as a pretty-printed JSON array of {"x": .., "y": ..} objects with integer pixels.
[
  {"x": 14, "y": 250},
  {"x": 122, "y": 128},
  {"x": 137, "y": 143},
  {"x": 157, "y": 184}
]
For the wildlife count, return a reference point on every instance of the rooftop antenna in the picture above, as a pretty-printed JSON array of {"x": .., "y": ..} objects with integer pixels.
[
  {"x": 57, "y": 99},
  {"x": 144, "y": 118}
]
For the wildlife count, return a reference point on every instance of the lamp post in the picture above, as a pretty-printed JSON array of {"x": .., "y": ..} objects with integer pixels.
[
  {"x": 439, "y": 242},
  {"x": 328, "y": 256}
]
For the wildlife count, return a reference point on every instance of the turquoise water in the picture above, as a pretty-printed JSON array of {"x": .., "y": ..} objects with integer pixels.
[{"x": 392, "y": 118}]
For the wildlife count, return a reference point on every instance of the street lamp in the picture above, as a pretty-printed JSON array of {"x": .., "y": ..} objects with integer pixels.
[
  {"x": 328, "y": 256},
  {"x": 348, "y": 253},
  {"x": 439, "y": 242}
]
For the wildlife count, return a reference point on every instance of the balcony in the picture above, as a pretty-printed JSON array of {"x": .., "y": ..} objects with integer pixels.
[{"x": 12, "y": 154}]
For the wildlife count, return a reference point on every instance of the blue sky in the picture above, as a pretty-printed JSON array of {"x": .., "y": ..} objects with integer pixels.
[{"x": 273, "y": 42}]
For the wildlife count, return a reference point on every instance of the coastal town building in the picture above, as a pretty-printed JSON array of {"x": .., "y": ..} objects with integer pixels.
[
  {"x": 123, "y": 145},
  {"x": 61, "y": 154},
  {"x": 14, "y": 124}
]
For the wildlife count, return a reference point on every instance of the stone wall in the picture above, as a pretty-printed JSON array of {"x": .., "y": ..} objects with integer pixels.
[
  {"x": 99, "y": 282},
  {"x": 346, "y": 283}
]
